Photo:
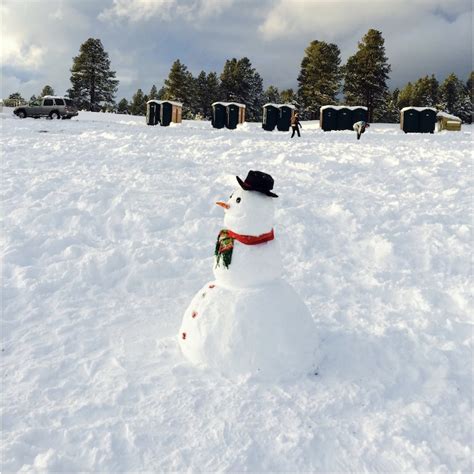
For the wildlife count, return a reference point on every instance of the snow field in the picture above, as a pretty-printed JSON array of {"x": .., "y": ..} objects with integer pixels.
[{"x": 109, "y": 231}]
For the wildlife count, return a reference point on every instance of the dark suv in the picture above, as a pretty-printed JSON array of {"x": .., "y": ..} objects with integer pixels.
[{"x": 48, "y": 106}]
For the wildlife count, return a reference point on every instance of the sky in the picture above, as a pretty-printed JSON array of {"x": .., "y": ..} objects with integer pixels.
[{"x": 39, "y": 38}]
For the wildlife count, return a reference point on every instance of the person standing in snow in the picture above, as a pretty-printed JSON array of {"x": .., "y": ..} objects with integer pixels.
[
  {"x": 295, "y": 125},
  {"x": 360, "y": 127}
]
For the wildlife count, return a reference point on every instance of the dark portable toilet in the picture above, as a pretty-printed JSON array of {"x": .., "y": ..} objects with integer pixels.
[
  {"x": 427, "y": 120},
  {"x": 328, "y": 118},
  {"x": 410, "y": 120},
  {"x": 344, "y": 119},
  {"x": 271, "y": 114},
  {"x": 233, "y": 116},
  {"x": 219, "y": 113},
  {"x": 166, "y": 113},
  {"x": 171, "y": 111},
  {"x": 358, "y": 114},
  {"x": 228, "y": 114},
  {"x": 152, "y": 112},
  {"x": 284, "y": 120}
]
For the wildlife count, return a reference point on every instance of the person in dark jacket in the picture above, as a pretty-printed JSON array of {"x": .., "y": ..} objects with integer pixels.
[
  {"x": 360, "y": 127},
  {"x": 295, "y": 125}
]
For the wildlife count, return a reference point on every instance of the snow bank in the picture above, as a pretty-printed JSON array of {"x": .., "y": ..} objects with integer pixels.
[{"x": 109, "y": 230}]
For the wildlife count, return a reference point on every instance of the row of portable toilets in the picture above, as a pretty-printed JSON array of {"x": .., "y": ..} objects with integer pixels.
[{"x": 332, "y": 117}]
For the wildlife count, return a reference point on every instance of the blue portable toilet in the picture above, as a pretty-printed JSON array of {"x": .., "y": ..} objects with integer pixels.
[
  {"x": 328, "y": 118},
  {"x": 286, "y": 114},
  {"x": 271, "y": 114}
]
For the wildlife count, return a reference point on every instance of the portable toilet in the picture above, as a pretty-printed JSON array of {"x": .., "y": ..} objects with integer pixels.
[
  {"x": 284, "y": 120},
  {"x": 344, "y": 119},
  {"x": 235, "y": 115},
  {"x": 448, "y": 122},
  {"x": 271, "y": 114},
  {"x": 328, "y": 118},
  {"x": 219, "y": 112},
  {"x": 171, "y": 111},
  {"x": 359, "y": 113},
  {"x": 427, "y": 120},
  {"x": 228, "y": 114},
  {"x": 410, "y": 119},
  {"x": 153, "y": 112}
]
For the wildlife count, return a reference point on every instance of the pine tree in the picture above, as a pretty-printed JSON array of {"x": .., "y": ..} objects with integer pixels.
[
  {"x": 92, "y": 80},
  {"x": 272, "y": 95},
  {"x": 320, "y": 77},
  {"x": 47, "y": 90},
  {"x": 230, "y": 85},
  {"x": 456, "y": 98},
  {"x": 206, "y": 92},
  {"x": 425, "y": 92},
  {"x": 366, "y": 73},
  {"x": 393, "y": 108},
  {"x": 15, "y": 99},
  {"x": 406, "y": 95},
  {"x": 288, "y": 96},
  {"x": 240, "y": 82},
  {"x": 138, "y": 103},
  {"x": 469, "y": 88},
  {"x": 433, "y": 96},
  {"x": 153, "y": 95},
  {"x": 214, "y": 91},
  {"x": 180, "y": 86},
  {"x": 202, "y": 97},
  {"x": 123, "y": 106}
]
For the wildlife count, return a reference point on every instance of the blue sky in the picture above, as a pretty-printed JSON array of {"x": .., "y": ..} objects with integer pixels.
[{"x": 144, "y": 37}]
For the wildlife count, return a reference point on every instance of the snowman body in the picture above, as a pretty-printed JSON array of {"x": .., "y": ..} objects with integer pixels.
[{"x": 249, "y": 320}]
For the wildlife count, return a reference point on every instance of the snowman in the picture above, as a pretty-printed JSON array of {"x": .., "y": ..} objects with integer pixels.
[{"x": 249, "y": 320}]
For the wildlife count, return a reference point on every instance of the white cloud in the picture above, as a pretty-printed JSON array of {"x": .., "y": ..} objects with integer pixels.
[
  {"x": 168, "y": 10},
  {"x": 331, "y": 19},
  {"x": 18, "y": 51}
]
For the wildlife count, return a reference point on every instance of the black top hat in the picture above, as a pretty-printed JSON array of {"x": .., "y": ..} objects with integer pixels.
[{"x": 258, "y": 181}]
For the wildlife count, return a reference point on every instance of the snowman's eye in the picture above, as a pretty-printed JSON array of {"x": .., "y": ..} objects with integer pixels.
[
  {"x": 230, "y": 197},
  {"x": 238, "y": 200}
]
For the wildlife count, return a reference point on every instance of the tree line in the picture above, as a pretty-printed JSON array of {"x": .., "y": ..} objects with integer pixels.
[{"x": 322, "y": 80}]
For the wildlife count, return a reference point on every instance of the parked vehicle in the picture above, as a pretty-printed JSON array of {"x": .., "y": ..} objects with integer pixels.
[{"x": 53, "y": 107}]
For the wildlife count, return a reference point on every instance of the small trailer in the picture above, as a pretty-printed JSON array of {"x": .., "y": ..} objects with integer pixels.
[{"x": 448, "y": 122}]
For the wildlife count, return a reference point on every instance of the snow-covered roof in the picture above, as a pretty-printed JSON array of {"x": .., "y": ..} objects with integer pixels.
[
  {"x": 448, "y": 116},
  {"x": 339, "y": 107},
  {"x": 53, "y": 97},
  {"x": 173, "y": 102},
  {"x": 225, "y": 104},
  {"x": 419, "y": 109},
  {"x": 291, "y": 106}
]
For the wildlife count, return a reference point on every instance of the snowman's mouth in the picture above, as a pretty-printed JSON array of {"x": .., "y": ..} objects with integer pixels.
[{"x": 223, "y": 204}]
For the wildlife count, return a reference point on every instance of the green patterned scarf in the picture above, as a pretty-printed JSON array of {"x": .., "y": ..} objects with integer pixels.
[{"x": 224, "y": 248}]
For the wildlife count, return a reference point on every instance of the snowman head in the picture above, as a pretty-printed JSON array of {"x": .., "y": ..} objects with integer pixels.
[
  {"x": 250, "y": 209},
  {"x": 248, "y": 212}
]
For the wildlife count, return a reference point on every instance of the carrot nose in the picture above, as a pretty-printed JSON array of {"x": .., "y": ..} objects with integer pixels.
[{"x": 223, "y": 204}]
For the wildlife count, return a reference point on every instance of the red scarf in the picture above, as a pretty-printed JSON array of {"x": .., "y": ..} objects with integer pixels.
[
  {"x": 250, "y": 239},
  {"x": 225, "y": 244}
]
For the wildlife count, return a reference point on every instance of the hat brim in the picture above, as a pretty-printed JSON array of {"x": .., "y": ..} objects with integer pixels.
[{"x": 245, "y": 186}]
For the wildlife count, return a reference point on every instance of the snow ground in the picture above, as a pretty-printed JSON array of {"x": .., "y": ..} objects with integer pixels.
[{"x": 109, "y": 228}]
